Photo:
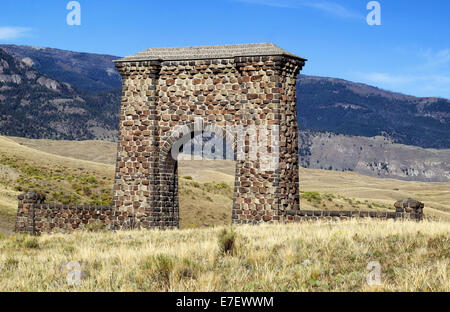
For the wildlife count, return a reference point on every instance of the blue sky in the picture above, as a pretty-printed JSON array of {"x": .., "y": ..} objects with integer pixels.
[{"x": 409, "y": 52}]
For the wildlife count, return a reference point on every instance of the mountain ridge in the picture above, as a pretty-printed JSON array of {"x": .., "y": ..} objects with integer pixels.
[
  {"x": 340, "y": 106},
  {"x": 374, "y": 88},
  {"x": 85, "y": 71},
  {"x": 324, "y": 103},
  {"x": 35, "y": 105},
  {"x": 54, "y": 103}
]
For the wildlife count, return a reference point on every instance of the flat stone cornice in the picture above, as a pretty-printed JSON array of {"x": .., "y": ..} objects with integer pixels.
[{"x": 209, "y": 52}]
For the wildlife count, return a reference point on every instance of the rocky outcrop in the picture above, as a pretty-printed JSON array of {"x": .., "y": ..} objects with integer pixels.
[
  {"x": 377, "y": 156},
  {"x": 85, "y": 71},
  {"x": 34, "y": 105}
]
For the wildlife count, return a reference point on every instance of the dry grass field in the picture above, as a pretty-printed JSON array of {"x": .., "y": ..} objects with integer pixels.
[{"x": 299, "y": 257}]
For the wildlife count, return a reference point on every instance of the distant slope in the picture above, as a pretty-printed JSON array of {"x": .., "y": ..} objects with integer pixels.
[
  {"x": 97, "y": 151},
  {"x": 34, "y": 105},
  {"x": 341, "y": 106},
  {"x": 376, "y": 156},
  {"x": 84, "y": 71}
]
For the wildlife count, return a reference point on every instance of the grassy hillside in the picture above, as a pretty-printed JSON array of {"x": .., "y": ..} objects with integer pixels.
[
  {"x": 83, "y": 172},
  {"x": 299, "y": 257}
]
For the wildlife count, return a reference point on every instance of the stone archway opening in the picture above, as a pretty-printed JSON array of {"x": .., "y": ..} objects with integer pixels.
[{"x": 206, "y": 177}]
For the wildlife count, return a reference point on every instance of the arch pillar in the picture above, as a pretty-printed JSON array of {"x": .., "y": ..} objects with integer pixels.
[
  {"x": 268, "y": 88},
  {"x": 244, "y": 86},
  {"x": 136, "y": 182}
]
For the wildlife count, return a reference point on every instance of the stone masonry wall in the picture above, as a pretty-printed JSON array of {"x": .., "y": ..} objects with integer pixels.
[
  {"x": 244, "y": 91},
  {"x": 292, "y": 216},
  {"x": 36, "y": 217}
]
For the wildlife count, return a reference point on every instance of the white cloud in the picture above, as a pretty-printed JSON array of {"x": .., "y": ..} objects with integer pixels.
[
  {"x": 436, "y": 59},
  {"x": 8, "y": 32},
  {"x": 325, "y": 6},
  {"x": 385, "y": 78}
]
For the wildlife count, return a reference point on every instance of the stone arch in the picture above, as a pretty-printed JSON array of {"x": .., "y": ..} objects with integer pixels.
[
  {"x": 168, "y": 141},
  {"x": 239, "y": 85},
  {"x": 166, "y": 209}
]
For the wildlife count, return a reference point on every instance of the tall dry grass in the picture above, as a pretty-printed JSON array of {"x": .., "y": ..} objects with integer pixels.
[{"x": 317, "y": 256}]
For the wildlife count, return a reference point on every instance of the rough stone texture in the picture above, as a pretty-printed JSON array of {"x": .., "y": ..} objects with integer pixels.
[
  {"x": 409, "y": 205},
  {"x": 245, "y": 85},
  {"x": 36, "y": 217},
  {"x": 26, "y": 211},
  {"x": 313, "y": 215}
]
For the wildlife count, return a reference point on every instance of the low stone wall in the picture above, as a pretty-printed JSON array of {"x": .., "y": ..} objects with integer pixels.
[
  {"x": 305, "y": 215},
  {"x": 36, "y": 217}
]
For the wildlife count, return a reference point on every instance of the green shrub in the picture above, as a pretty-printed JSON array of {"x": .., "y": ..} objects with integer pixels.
[
  {"x": 187, "y": 177},
  {"x": 31, "y": 243},
  {"x": 87, "y": 190},
  {"x": 92, "y": 180},
  {"x": 95, "y": 226},
  {"x": 227, "y": 241},
  {"x": 11, "y": 263},
  {"x": 311, "y": 197},
  {"x": 23, "y": 241},
  {"x": 159, "y": 268},
  {"x": 222, "y": 186},
  {"x": 106, "y": 197}
]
